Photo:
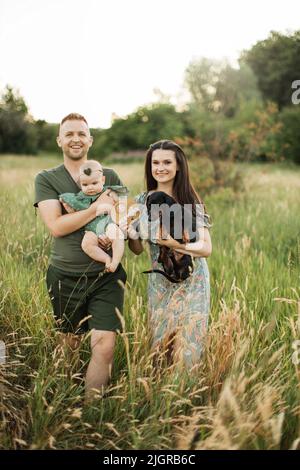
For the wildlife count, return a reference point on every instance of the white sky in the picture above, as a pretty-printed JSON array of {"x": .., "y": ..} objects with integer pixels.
[{"x": 101, "y": 57}]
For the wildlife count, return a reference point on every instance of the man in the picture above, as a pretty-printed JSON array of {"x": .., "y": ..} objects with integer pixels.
[{"x": 77, "y": 285}]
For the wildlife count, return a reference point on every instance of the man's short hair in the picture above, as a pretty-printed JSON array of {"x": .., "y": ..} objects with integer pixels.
[{"x": 74, "y": 117}]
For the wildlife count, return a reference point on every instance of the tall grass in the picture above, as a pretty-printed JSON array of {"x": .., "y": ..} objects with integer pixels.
[{"x": 245, "y": 392}]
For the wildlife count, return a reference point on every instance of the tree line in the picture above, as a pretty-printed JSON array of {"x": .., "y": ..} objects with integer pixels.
[{"x": 244, "y": 113}]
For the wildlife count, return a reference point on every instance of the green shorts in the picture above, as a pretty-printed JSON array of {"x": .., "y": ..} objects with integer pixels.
[{"x": 75, "y": 297}]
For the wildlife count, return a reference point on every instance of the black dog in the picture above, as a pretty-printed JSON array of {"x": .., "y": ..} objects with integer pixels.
[{"x": 176, "y": 267}]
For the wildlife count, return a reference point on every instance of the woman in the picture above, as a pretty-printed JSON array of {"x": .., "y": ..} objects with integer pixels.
[{"x": 178, "y": 313}]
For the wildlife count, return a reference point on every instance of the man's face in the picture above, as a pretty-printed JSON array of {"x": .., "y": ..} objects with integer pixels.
[{"x": 74, "y": 139}]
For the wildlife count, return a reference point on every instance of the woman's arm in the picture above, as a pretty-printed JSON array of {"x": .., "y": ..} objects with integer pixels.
[
  {"x": 134, "y": 242},
  {"x": 136, "y": 246}
]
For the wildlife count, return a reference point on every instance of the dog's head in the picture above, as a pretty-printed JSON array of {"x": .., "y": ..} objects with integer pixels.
[{"x": 154, "y": 201}]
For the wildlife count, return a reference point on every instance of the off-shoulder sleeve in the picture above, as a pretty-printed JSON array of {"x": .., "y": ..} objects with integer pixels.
[
  {"x": 140, "y": 198},
  {"x": 207, "y": 221},
  {"x": 202, "y": 218},
  {"x": 142, "y": 225}
]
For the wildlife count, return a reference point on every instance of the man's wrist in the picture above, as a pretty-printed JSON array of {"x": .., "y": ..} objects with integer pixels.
[{"x": 92, "y": 209}]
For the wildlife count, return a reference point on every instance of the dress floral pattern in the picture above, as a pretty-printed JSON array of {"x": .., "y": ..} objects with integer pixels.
[{"x": 182, "y": 308}]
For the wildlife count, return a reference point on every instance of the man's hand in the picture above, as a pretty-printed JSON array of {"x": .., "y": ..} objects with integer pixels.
[
  {"x": 104, "y": 203},
  {"x": 104, "y": 242},
  {"x": 67, "y": 208}
]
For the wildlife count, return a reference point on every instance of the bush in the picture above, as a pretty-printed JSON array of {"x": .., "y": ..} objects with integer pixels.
[
  {"x": 289, "y": 138},
  {"x": 17, "y": 134},
  {"x": 208, "y": 171}
]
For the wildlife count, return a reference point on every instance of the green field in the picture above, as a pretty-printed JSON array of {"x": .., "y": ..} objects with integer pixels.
[{"x": 244, "y": 395}]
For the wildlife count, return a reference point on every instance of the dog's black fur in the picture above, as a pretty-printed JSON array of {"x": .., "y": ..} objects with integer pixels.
[{"x": 176, "y": 267}]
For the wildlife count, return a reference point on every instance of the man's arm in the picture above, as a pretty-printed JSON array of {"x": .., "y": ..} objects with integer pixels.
[{"x": 61, "y": 225}]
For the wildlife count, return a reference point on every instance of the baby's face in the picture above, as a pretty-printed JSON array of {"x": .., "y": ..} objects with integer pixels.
[{"x": 93, "y": 183}]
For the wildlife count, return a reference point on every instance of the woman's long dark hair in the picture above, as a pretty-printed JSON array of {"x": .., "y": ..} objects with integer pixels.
[{"x": 182, "y": 188}]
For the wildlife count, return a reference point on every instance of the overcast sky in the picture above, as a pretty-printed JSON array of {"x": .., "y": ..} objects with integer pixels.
[{"x": 101, "y": 57}]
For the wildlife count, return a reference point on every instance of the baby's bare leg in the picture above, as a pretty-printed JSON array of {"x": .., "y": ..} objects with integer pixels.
[
  {"x": 92, "y": 249},
  {"x": 116, "y": 236}
]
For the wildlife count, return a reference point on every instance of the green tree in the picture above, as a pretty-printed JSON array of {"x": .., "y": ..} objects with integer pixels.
[
  {"x": 216, "y": 86},
  {"x": 17, "y": 131},
  {"x": 201, "y": 78},
  {"x": 46, "y": 136},
  {"x": 234, "y": 87},
  {"x": 289, "y": 138},
  {"x": 276, "y": 64},
  {"x": 146, "y": 125}
]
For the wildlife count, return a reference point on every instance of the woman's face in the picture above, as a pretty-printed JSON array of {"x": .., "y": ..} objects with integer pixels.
[{"x": 163, "y": 165}]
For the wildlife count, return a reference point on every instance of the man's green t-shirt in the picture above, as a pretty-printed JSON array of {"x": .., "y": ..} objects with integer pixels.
[{"x": 66, "y": 252}]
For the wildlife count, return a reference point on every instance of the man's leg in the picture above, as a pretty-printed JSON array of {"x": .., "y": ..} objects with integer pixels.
[
  {"x": 100, "y": 366},
  {"x": 104, "y": 305},
  {"x": 67, "y": 295}
]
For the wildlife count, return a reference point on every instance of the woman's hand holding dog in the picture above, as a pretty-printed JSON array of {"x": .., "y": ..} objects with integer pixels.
[{"x": 164, "y": 239}]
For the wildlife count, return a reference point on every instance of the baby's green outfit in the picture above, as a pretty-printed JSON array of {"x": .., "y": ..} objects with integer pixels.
[{"x": 81, "y": 201}]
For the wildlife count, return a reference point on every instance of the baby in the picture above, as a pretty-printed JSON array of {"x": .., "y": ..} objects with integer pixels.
[{"x": 92, "y": 181}]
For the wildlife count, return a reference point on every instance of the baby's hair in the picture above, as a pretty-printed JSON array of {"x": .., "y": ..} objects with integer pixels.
[{"x": 89, "y": 166}]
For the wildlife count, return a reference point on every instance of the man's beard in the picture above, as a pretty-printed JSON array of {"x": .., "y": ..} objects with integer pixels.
[{"x": 77, "y": 157}]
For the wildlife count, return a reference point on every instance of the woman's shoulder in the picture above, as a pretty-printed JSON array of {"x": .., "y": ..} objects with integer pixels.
[{"x": 141, "y": 197}]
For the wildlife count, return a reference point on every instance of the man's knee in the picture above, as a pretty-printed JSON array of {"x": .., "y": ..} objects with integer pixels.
[{"x": 103, "y": 345}]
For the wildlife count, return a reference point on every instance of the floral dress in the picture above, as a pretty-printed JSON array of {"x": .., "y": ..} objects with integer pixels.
[{"x": 182, "y": 308}]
